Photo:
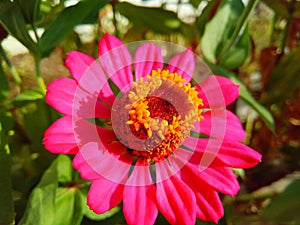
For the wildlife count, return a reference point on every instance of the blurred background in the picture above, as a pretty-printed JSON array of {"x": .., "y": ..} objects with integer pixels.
[{"x": 253, "y": 42}]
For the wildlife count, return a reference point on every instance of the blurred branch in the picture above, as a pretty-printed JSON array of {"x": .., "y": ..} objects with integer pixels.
[
  {"x": 113, "y": 4},
  {"x": 291, "y": 9}
]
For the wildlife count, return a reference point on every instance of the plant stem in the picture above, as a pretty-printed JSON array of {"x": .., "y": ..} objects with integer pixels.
[
  {"x": 113, "y": 3},
  {"x": 11, "y": 68},
  {"x": 40, "y": 79},
  {"x": 291, "y": 9},
  {"x": 240, "y": 24}
]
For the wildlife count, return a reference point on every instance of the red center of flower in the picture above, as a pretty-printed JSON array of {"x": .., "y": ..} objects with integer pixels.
[{"x": 156, "y": 115}]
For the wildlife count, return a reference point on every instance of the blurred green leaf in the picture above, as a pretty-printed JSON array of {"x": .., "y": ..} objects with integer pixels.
[
  {"x": 195, "y": 3},
  {"x": 30, "y": 95},
  {"x": 205, "y": 15},
  {"x": 285, "y": 207},
  {"x": 284, "y": 78},
  {"x": 40, "y": 209},
  {"x": 13, "y": 20},
  {"x": 68, "y": 207},
  {"x": 245, "y": 95},
  {"x": 219, "y": 30},
  {"x": 279, "y": 7},
  {"x": 64, "y": 168},
  {"x": 238, "y": 54},
  {"x": 156, "y": 19},
  {"x": 6, "y": 197},
  {"x": 4, "y": 85},
  {"x": 65, "y": 21},
  {"x": 93, "y": 216},
  {"x": 30, "y": 10}
]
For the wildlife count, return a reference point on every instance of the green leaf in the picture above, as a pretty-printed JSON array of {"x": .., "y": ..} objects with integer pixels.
[
  {"x": 6, "y": 197},
  {"x": 64, "y": 168},
  {"x": 195, "y": 3},
  {"x": 68, "y": 207},
  {"x": 40, "y": 209},
  {"x": 205, "y": 15},
  {"x": 13, "y": 20},
  {"x": 93, "y": 216},
  {"x": 284, "y": 78},
  {"x": 30, "y": 95},
  {"x": 220, "y": 28},
  {"x": 245, "y": 95},
  {"x": 278, "y": 6},
  {"x": 285, "y": 207},
  {"x": 239, "y": 52},
  {"x": 30, "y": 10},
  {"x": 4, "y": 85},
  {"x": 157, "y": 19},
  {"x": 65, "y": 22}
]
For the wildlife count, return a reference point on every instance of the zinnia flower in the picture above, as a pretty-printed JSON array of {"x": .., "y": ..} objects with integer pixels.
[{"x": 144, "y": 135}]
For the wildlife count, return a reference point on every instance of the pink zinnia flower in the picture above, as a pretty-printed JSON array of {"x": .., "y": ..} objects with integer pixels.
[{"x": 161, "y": 144}]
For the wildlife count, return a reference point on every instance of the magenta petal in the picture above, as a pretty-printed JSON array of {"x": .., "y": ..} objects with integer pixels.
[
  {"x": 147, "y": 58},
  {"x": 78, "y": 63},
  {"x": 237, "y": 155},
  {"x": 139, "y": 204},
  {"x": 60, "y": 95},
  {"x": 115, "y": 60},
  {"x": 217, "y": 91},
  {"x": 86, "y": 172},
  {"x": 59, "y": 137},
  {"x": 222, "y": 179},
  {"x": 175, "y": 199},
  {"x": 233, "y": 128},
  {"x": 183, "y": 64},
  {"x": 209, "y": 206},
  {"x": 104, "y": 195},
  {"x": 231, "y": 154},
  {"x": 104, "y": 163}
]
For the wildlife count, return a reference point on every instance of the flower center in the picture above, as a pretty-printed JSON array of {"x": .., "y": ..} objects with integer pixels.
[{"x": 155, "y": 116}]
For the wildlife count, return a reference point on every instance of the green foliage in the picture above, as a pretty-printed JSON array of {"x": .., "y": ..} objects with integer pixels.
[
  {"x": 218, "y": 32},
  {"x": 60, "y": 198},
  {"x": 6, "y": 195},
  {"x": 156, "y": 19},
  {"x": 66, "y": 20},
  {"x": 285, "y": 207},
  {"x": 285, "y": 76}
]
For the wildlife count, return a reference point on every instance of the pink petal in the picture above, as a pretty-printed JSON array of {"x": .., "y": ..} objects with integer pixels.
[
  {"x": 217, "y": 91},
  {"x": 87, "y": 172},
  {"x": 78, "y": 63},
  {"x": 237, "y": 155},
  {"x": 231, "y": 154},
  {"x": 59, "y": 137},
  {"x": 221, "y": 179},
  {"x": 219, "y": 117},
  {"x": 175, "y": 199},
  {"x": 115, "y": 60},
  {"x": 209, "y": 206},
  {"x": 86, "y": 105},
  {"x": 60, "y": 95},
  {"x": 94, "y": 84},
  {"x": 183, "y": 64},
  {"x": 104, "y": 195},
  {"x": 147, "y": 58},
  {"x": 139, "y": 206},
  {"x": 97, "y": 157}
]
